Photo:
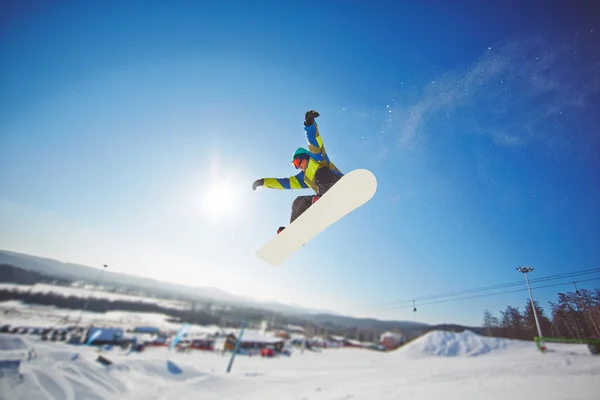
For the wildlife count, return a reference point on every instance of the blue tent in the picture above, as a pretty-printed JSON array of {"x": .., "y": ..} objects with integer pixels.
[
  {"x": 105, "y": 335},
  {"x": 146, "y": 329}
]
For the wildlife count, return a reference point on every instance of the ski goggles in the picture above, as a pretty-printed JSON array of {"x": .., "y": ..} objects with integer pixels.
[{"x": 296, "y": 161}]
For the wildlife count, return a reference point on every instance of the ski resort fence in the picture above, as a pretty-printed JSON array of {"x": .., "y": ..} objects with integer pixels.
[{"x": 592, "y": 344}]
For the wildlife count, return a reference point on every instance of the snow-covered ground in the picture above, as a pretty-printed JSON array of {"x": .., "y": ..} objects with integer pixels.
[
  {"x": 439, "y": 365},
  {"x": 85, "y": 292},
  {"x": 17, "y": 314}
]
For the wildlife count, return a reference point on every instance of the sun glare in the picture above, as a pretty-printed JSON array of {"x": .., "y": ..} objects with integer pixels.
[{"x": 220, "y": 200}]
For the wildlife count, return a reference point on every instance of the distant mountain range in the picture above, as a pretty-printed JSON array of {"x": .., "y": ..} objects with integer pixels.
[
  {"x": 148, "y": 286},
  {"x": 152, "y": 287}
]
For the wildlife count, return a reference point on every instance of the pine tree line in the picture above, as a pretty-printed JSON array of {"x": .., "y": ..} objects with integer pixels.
[{"x": 575, "y": 315}]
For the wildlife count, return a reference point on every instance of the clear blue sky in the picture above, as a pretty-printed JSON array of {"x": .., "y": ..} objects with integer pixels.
[{"x": 119, "y": 122}]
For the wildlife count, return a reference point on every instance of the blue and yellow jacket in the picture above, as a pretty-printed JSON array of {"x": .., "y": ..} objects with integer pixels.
[{"x": 318, "y": 159}]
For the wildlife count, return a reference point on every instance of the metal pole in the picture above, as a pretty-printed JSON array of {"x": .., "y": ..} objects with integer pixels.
[
  {"x": 87, "y": 300},
  {"x": 237, "y": 347},
  {"x": 525, "y": 270}
]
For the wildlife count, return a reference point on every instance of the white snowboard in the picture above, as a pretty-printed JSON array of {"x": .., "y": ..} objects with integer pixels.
[{"x": 352, "y": 191}]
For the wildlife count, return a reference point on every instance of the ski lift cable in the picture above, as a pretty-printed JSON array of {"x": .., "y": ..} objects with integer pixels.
[
  {"x": 486, "y": 288},
  {"x": 493, "y": 294}
]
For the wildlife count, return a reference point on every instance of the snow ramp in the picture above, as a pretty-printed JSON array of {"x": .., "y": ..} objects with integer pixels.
[
  {"x": 452, "y": 344},
  {"x": 54, "y": 373},
  {"x": 12, "y": 348}
]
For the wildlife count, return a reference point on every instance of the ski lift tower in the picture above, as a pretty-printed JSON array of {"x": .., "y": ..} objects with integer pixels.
[{"x": 526, "y": 270}]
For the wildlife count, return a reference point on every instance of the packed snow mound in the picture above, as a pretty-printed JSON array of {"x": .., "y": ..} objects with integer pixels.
[
  {"x": 452, "y": 344},
  {"x": 8, "y": 342},
  {"x": 60, "y": 371},
  {"x": 13, "y": 348}
]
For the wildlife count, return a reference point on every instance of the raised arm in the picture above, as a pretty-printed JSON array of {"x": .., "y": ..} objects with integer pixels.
[
  {"x": 315, "y": 143},
  {"x": 293, "y": 182},
  {"x": 313, "y": 137}
]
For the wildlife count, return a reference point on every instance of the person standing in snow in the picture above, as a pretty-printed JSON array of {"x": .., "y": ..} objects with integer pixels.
[{"x": 317, "y": 172}]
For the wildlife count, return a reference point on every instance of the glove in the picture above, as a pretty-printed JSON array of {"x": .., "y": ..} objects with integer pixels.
[
  {"x": 257, "y": 183},
  {"x": 309, "y": 117}
]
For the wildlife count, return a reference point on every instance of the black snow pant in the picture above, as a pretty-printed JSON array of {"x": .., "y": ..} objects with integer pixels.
[{"x": 324, "y": 179}]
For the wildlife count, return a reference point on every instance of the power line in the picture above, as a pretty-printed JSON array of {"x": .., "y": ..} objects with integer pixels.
[
  {"x": 485, "y": 288},
  {"x": 497, "y": 286},
  {"x": 493, "y": 294}
]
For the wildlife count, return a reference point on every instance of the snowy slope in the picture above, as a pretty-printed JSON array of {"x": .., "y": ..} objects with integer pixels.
[
  {"x": 18, "y": 314},
  {"x": 451, "y": 344},
  {"x": 513, "y": 369}
]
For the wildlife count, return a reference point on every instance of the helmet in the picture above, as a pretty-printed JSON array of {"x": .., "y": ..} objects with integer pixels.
[{"x": 301, "y": 153}]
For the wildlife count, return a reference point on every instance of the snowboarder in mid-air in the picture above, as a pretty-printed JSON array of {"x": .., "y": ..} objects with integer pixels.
[{"x": 317, "y": 172}]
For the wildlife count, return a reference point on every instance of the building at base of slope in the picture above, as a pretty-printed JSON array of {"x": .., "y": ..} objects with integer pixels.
[{"x": 391, "y": 340}]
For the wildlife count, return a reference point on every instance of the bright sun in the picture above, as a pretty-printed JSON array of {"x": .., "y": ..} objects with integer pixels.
[{"x": 220, "y": 199}]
